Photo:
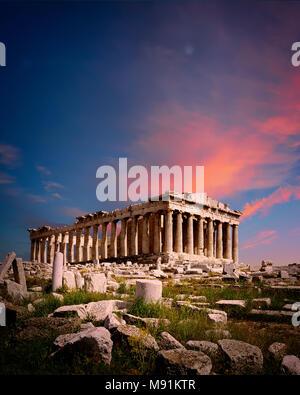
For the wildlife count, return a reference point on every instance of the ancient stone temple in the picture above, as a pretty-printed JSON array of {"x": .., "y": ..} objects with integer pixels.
[{"x": 173, "y": 230}]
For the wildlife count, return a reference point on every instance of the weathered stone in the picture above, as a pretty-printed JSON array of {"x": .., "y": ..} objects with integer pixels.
[
  {"x": 86, "y": 325},
  {"x": 217, "y": 319},
  {"x": 57, "y": 296},
  {"x": 206, "y": 347},
  {"x": 57, "y": 274},
  {"x": 260, "y": 303},
  {"x": 79, "y": 280},
  {"x": 6, "y": 265},
  {"x": 130, "y": 334},
  {"x": 183, "y": 362},
  {"x": 69, "y": 279},
  {"x": 277, "y": 350},
  {"x": 231, "y": 303},
  {"x": 77, "y": 310},
  {"x": 291, "y": 365},
  {"x": 100, "y": 310},
  {"x": 197, "y": 298},
  {"x": 146, "y": 322},
  {"x": 14, "y": 290},
  {"x": 284, "y": 274},
  {"x": 243, "y": 358},
  {"x": 229, "y": 268},
  {"x": 30, "y": 308},
  {"x": 19, "y": 273},
  {"x": 90, "y": 342},
  {"x": 95, "y": 283},
  {"x": 112, "y": 321},
  {"x": 148, "y": 290},
  {"x": 168, "y": 342}
]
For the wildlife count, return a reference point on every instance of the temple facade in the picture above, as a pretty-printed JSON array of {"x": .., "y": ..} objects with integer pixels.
[{"x": 173, "y": 230}]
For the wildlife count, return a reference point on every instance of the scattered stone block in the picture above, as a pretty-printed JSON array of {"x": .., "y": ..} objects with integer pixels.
[
  {"x": 232, "y": 303},
  {"x": 69, "y": 279},
  {"x": 6, "y": 265},
  {"x": 206, "y": 347},
  {"x": 112, "y": 321},
  {"x": 146, "y": 322},
  {"x": 130, "y": 334},
  {"x": 19, "y": 273},
  {"x": 277, "y": 351},
  {"x": 290, "y": 365},
  {"x": 243, "y": 358},
  {"x": 95, "y": 283},
  {"x": 183, "y": 362},
  {"x": 79, "y": 280},
  {"x": 148, "y": 290},
  {"x": 168, "y": 342}
]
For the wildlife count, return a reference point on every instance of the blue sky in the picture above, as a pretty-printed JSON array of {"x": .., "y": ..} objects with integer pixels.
[{"x": 159, "y": 83}]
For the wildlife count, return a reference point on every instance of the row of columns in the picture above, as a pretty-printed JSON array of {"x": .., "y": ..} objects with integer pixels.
[{"x": 219, "y": 240}]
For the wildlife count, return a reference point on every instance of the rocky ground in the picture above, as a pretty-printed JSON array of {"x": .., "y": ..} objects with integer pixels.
[{"x": 209, "y": 320}]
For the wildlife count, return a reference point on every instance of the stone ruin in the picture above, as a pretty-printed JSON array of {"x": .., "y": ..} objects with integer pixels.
[{"x": 172, "y": 230}]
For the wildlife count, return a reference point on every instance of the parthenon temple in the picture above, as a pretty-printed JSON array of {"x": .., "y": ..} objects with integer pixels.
[{"x": 173, "y": 230}]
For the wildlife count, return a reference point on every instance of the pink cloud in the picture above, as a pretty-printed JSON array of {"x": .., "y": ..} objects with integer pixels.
[
  {"x": 263, "y": 206},
  {"x": 73, "y": 212},
  {"x": 43, "y": 170},
  {"x": 6, "y": 178},
  {"x": 264, "y": 237},
  {"x": 37, "y": 198},
  {"x": 9, "y": 155}
]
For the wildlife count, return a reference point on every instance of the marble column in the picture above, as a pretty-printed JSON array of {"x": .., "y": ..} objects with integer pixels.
[
  {"x": 32, "y": 250},
  {"x": 78, "y": 245},
  {"x": 71, "y": 247},
  {"x": 43, "y": 250},
  {"x": 190, "y": 234},
  {"x": 210, "y": 238},
  {"x": 56, "y": 243},
  {"x": 219, "y": 240},
  {"x": 104, "y": 240},
  {"x": 38, "y": 250},
  {"x": 113, "y": 240},
  {"x": 123, "y": 238},
  {"x": 145, "y": 236},
  {"x": 227, "y": 254},
  {"x": 51, "y": 247},
  {"x": 95, "y": 247},
  {"x": 86, "y": 248},
  {"x": 64, "y": 246},
  {"x": 178, "y": 233},
  {"x": 235, "y": 247},
  {"x": 168, "y": 231},
  {"x": 200, "y": 235},
  {"x": 157, "y": 233},
  {"x": 134, "y": 237}
]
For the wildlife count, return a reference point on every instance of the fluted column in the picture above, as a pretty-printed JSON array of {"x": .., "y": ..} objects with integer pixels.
[
  {"x": 157, "y": 233},
  {"x": 228, "y": 241},
  {"x": 178, "y": 233},
  {"x": 190, "y": 234},
  {"x": 123, "y": 238},
  {"x": 32, "y": 250},
  {"x": 168, "y": 231},
  {"x": 134, "y": 237},
  {"x": 43, "y": 250},
  {"x": 200, "y": 235},
  {"x": 38, "y": 250},
  {"x": 78, "y": 245},
  {"x": 104, "y": 241},
  {"x": 210, "y": 238},
  {"x": 219, "y": 240},
  {"x": 113, "y": 240},
  {"x": 86, "y": 248},
  {"x": 95, "y": 247},
  {"x": 56, "y": 243},
  {"x": 71, "y": 247},
  {"x": 51, "y": 247},
  {"x": 145, "y": 235},
  {"x": 235, "y": 247},
  {"x": 64, "y": 246}
]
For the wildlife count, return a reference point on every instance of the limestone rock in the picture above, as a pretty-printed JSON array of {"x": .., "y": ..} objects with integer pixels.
[
  {"x": 90, "y": 342},
  {"x": 86, "y": 325},
  {"x": 57, "y": 296},
  {"x": 183, "y": 362},
  {"x": 232, "y": 303},
  {"x": 146, "y": 322},
  {"x": 217, "y": 319},
  {"x": 243, "y": 358},
  {"x": 206, "y": 347},
  {"x": 112, "y": 321},
  {"x": 69, "y": 279},
  {"x": 14, "y": 290},
  {"x": 79, "y": 280},
  {"x": 95, "y": 282},
  {"x": 290, "y": 365},
  {"x": 128, "y": 333},
  {"x": 77, "y": 310},
  {"x": 168, "y": 342},
  {"x": 277, "y": 350},
  {"x": 100, "y": 310}
]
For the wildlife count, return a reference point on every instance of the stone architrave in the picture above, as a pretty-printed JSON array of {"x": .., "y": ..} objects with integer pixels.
[{"x": 57, "y": 274}]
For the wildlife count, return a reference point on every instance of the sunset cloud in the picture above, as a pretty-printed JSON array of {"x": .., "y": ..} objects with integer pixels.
[
  {"x": 37, "y": 198},
  {"x": 73, "y": 212},
  {"x": 264, "y": 237},
  {"x": 264, "y": 205},
  {"x": 9, "y": 155},
  {"x": 43, "y": 170},
  {"x": 50, "y": 185}
]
